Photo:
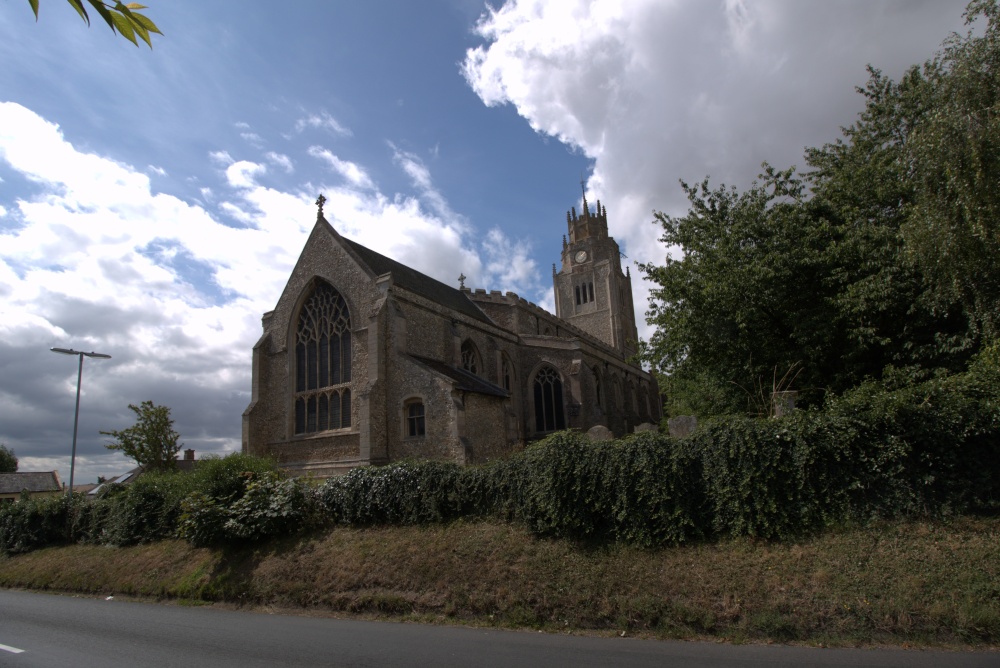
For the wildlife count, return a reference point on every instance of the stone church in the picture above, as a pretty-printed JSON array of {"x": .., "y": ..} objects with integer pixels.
[{"x": 366, "y": 361}]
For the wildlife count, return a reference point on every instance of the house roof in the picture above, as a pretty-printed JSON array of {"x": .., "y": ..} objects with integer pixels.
[
  {"x": 421, "y": 284},
  {"x": 464, "y": 380},
  {"x": 33, "y": 481}
]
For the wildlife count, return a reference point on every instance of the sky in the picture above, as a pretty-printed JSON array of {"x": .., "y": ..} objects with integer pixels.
[{"x": 153, "y": 202}]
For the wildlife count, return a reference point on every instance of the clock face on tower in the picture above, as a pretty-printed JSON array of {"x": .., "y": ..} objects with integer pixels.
[{"x": 581, "y": 256}]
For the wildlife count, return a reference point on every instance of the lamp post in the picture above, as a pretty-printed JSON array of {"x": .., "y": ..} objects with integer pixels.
[{"x": 76, "y": 417}]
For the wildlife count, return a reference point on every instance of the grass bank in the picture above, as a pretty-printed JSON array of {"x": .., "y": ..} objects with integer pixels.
[{"x": 912, "y": 583}]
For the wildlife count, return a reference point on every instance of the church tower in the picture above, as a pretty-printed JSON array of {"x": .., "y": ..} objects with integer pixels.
[{"x": 591, "y": 291}]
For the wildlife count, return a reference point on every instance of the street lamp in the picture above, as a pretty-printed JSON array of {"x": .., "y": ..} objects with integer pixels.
[{"x": 76, "y": 418}]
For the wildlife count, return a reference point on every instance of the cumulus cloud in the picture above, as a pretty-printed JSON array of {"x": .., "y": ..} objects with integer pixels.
[
  {"x": 658, "y": 91},
  {"x": 99, "y": 262}
]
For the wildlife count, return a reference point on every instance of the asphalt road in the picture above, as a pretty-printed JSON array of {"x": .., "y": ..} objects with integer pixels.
[{"x": 49, "y": 630}]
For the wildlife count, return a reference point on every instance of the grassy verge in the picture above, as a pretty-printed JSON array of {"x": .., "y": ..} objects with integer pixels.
[{"x": 920, "y": 583}]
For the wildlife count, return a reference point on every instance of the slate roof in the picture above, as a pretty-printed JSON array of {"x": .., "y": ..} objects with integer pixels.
[
  {"x": 418, "y": 283},
  {"x": 463, "y": 379},
  {"x": 33, "y": 481}
]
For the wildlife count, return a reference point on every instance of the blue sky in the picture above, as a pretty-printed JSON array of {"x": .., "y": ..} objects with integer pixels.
[{"x": 152, "y": 202}]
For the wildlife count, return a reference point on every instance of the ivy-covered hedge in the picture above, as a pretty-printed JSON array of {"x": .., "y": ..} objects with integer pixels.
[{"x": 886, "y": 449}]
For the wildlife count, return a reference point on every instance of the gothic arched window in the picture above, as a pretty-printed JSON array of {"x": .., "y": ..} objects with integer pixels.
[
  {"x": 616, "y": 388},
  {"x": 598, "y": 398},
  {"x": 549, "y": 414},
  {"x": 470, "y": 358},
  {"x": 323, "y": 362},
  {"x": 507, "y": 374}
]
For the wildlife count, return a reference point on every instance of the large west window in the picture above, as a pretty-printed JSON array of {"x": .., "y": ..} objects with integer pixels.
[
  {"x": 323, "y": 363},
  {"x": 549, "y": 414}
]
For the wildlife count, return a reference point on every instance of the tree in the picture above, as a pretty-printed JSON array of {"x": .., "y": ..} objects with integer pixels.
[
  {"x": 953, "y": 152},
  {"x": 122, "y": 18},
  {"x": 8, "y": 462},
  {"x": 883, "y": 254},
  {"x": 151, "y": 441}
]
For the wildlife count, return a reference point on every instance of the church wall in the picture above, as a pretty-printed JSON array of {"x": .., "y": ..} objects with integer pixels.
[
  {"x": 436, "y": 333},
  {"x": 270, "y": 423},
  {"x": 410, "y": 380},
  {"x": 484, "y": 433}
]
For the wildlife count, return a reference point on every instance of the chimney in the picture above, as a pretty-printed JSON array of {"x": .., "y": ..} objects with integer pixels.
[{"x": 189, "y": 455}]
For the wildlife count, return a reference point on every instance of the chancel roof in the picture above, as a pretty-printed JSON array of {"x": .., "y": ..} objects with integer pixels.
[
  {"x": 421, "y": 284},
  {"x": 464, "y": 380}
]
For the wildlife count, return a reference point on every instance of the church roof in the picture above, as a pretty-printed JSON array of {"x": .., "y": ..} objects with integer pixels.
[
  {"x": 418, "y": 283},
  {"x": 464, "y": 380}
]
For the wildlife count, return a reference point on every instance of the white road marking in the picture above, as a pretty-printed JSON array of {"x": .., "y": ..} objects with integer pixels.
[{"x": 12, "y": 650}]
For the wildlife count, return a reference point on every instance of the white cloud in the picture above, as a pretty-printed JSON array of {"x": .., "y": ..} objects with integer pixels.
[
  {"x": 159, "y": 171},
  {"x": 252, "y": 138},
  {"x": 415, "y": 168},
  {"x": 657, "y": 91},
  {"x": 353, "y": 173},
  {"x": 241, "y": 173},
  {"x": 509, "y": 266},
  {"x": 322, "y": 121},
  {"x": 280, "y": 160}
]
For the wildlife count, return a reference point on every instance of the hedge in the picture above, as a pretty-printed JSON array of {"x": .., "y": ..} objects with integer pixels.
[{"x": 887, "y": 449}]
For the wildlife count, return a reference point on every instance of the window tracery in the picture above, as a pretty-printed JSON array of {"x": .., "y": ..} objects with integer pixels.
[
  {"x": 549, "y": 412},
  {"x": 470, "y": 358},
  {"x": 323, "y": 362}
]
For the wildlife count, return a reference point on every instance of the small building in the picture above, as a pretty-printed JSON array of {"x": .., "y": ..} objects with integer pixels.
[
  {"x": 365, "y": 361},
  {"x": 36, "y": 484},
  {"x": 185, "y": 465}
]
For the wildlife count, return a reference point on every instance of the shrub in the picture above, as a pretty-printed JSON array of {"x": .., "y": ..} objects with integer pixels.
[
  {"x": 271, "y": 506},
  {"x": 642, "y": 489},
  {"x": 412, "y": 492},
  {"x": 34, "y": 523},
  {"x": 141, "y": 512}
]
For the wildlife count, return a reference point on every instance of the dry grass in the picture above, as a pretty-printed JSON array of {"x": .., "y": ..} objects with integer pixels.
[{"x": 914, "y": 582}]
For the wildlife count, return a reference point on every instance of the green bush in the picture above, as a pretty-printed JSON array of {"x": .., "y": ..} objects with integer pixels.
[
  {"x": 641, "y": 489},
  {"x": 269, "y": 506},
  {"x": 412, "y": 492},
  {"x": 34, "y": 523},
  {"x": 141, "y": 512},
  {"x": 202, "y": 521},
  {"x": 224, "y": 478}
]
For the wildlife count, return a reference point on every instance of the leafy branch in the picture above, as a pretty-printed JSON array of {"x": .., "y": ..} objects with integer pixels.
[{"x": 122, "y": 18}]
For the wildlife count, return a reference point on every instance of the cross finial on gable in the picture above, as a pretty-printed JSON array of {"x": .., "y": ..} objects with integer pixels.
[
  {"x": 461, "y": 281},
  {"x": 320, "y": 201}
]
